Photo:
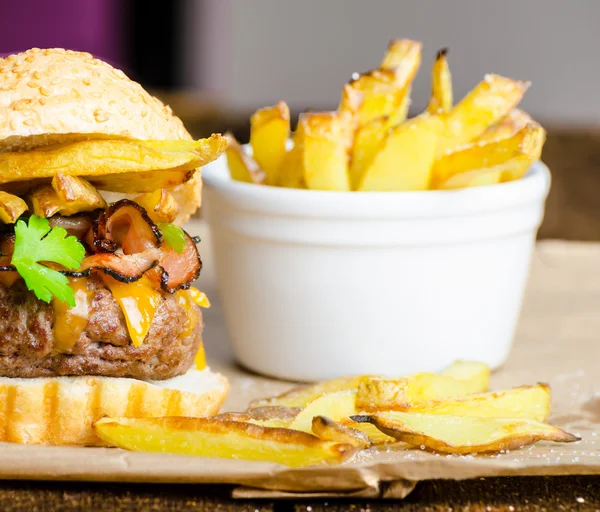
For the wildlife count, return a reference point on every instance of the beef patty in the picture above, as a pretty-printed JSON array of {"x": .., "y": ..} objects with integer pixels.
[{"x": 103, "y": 347}]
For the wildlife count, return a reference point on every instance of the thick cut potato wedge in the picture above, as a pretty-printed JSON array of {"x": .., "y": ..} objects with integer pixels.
[
  {"x": 386, "y": 91},
  {"x": 378, "y": 394},
  {"x": 465, "y": 434},
  {"x": 44, "y": 201},
  {"x": 526, "y": 143},
  {"x": 510, "y": 124},
  {"x": 108, "y": 164},
  {"x": 242, "y": 166},
  {"x": 325, "y": 160},
  {"x": 208, "y": 437},
  {"x": 328, "y": 430},
  {"x": 477, "y": 374},
  {"x": 336, "y": 406},
  {"x": 11, "y": 208},
  {"x": 376, "y": 436},
  {"x": 530, "y": 402},
  {"x": 349, "y": 111},
  {"x": 483, "y": 107},
  {"x": 77, "y": 194},
  {"x": 268, "y": 416},
  {"x": 301, "y": 396},
  {"x": 406, "y": 159},
  {"x": 269, "y": 132},
  {"x": 291, "y": 174},
  {"x": 441, "y": 85},
  {"x": 160, "y": 205},
  {"x": 368, "y": 141}
]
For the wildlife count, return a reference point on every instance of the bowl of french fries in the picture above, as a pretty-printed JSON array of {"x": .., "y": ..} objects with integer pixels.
[{"x": 370, "y": 242}]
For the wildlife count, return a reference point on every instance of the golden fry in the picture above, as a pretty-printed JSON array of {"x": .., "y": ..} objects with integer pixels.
[
  {"x": 376, "y": 436},
  {"x": 336, "y": 406},
  {"x": 209, "y": 437},
  {"x": 483, "y": 155},
  {"x": 530, "y": 402},
  {"x": 483, "y": 107},
  {"x": 441, "y": 85},
  {"x": 291, "y": 174},
  {"x": 378, "y": 394},
  {"x": 242, "y": 166},
  {"x": 328, "y": 430},
  {"x": 302, "y": 395},
  {"x": 160, "y": 205},
  {"x": 510, "y": 124},
  {"x": 349, "y": 111},
  {"x": 405, "y": 162},
  {"x": 11, "y": 207},
  {"x": 76, "y": 194},
  {"x": 324, "y": 152},
  {"x": 465, "y": 434},
  {"x": 368, "y": 142},
  {"x": 477, "y": 374},
  {"x": 269, "y": 132}
]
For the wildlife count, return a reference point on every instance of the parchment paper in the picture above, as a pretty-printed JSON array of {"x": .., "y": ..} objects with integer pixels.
[{"x": 557, "y": 342}]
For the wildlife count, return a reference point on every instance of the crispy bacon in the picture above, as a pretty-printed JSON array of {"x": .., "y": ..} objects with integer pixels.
[
  {"x": 77, "y": 225},
  {"x": 126, "y": 224},
  {"x": 179, "y": 271},
  {"x": 123, "y": 267}
]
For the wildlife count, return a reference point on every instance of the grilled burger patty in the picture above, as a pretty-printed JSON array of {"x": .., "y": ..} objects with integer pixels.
[{"x": 103, "y": 348}]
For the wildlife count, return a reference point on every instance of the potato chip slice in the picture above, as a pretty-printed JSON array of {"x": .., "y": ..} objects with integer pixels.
[
  {"x": 109, "y": 164},
  {"x": 465, "y": 434},
  {"x": 160, "y": 205},
  {"x": 269, "y": 132},
  {"x": 11, "y": 207},
  {"x": 210, "y": 437}
]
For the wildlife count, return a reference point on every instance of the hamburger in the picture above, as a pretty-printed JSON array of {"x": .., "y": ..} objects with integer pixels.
[{"x": 98, "y": 315}]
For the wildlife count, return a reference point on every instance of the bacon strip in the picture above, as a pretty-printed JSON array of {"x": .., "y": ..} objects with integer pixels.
[
  {"x": 179, "y": 271},
  {"x": 126, "y": 224},
  {"x": 123, "y": 267}
]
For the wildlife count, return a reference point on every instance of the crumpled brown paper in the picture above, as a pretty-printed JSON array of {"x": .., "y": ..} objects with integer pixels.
[{"x": 557, "y": 342}]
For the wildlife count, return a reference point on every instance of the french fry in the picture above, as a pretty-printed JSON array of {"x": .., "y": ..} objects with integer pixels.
[
  {"x": 11, "y": 207},
  {"x": 269, "y": 132},
  {"x": 510, "y": 124},
  {"x": 529, "y": 402},
  {"x": 336, "y": 406},
  {"x": 386, "y": 91},
  {"x": 242, "y": 166},
  {"x": 76, "y": 194},
  {"x": 209, "y": 437},
  {"x": 113, "y": 165},
  {"x": 349, "y": 110},
  {"x": 483, "y": 107},
  {"x": 465, "y": 434},
  {"x": 244, "y": 417},
  {"x": 477, "y": 374},
  {"x": 291, "y": 174},
  {"x": 160, "y": 205},
  {"x": 328, "y": 430},
  {"x": 301, "y": 396},
  {"x": 476, "y": 178},
  {"x": 406, "y": 159},
  {"x": 378, "y": 394},
  {"x": 526, "y": 143},
  {"x": 441, "y": 85},
  {"x": 368, "y": 141},
  {"x": 324, "y": 154}
]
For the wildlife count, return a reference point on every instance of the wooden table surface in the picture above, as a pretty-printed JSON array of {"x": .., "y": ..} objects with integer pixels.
[{"x": 573, "y": 212}]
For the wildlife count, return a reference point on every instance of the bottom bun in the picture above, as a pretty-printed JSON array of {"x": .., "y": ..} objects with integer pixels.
[{"x": 63, "y": 410}]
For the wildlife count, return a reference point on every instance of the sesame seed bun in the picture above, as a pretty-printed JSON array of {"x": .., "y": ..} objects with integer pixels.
[{"x": 54, "y": 96}]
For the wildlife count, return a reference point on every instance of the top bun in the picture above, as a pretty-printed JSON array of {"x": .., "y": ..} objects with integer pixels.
[{"x": 54, "y": 96}]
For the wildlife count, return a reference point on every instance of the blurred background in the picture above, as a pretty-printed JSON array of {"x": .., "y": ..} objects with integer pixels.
[{"x": 216, "y": 61}]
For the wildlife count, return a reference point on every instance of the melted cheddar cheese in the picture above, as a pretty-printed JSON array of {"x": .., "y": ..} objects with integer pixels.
[
  {"x": 199, "y": 297},
  {"x": 69, "y": 322},
  {"x": 138, "y": 302}
]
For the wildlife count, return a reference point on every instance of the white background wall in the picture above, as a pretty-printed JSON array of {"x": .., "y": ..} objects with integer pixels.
[{"x": 254, "y": 52}]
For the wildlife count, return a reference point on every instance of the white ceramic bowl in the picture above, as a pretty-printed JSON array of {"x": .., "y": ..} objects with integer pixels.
[{"x": 316, "y": 284}]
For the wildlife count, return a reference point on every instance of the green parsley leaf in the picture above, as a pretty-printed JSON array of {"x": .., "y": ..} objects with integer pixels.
[
  {"x": 174, "y": 235},
  {"x": 36, "y": 242}
]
